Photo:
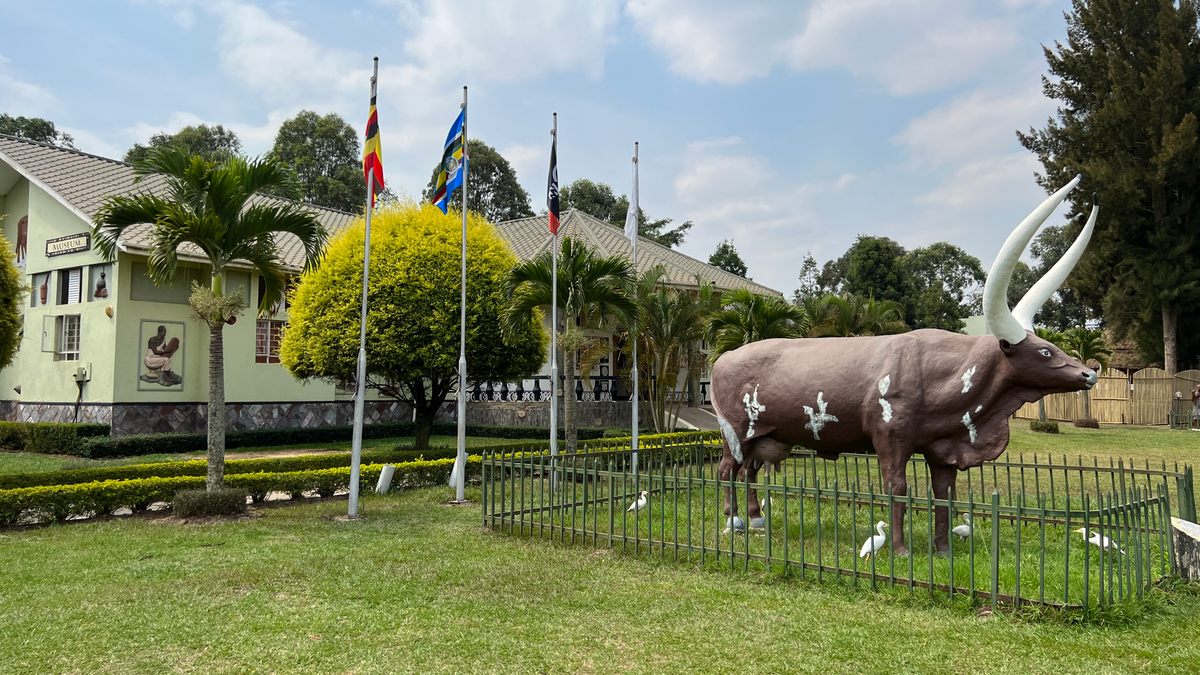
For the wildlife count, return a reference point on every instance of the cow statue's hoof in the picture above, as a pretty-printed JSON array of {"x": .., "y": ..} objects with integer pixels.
[
  {"x": 900, "y": 552},
  {"x": 758, "y": 523},
  {"x": 735, "y": 523}
]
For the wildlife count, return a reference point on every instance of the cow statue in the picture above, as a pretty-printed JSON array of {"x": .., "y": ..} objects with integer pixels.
[{"x": 943, "y": 395}]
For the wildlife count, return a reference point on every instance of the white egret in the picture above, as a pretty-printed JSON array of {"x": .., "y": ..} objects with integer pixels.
[
  {"x": 963, "y": 531},
  {"x": 639, "y": 503},
  {"x": 1100, "y": 541},
  {"x": 873, "y": 544},
  {"x": 766, "y": 502}
]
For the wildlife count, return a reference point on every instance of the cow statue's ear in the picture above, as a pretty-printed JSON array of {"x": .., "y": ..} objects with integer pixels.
[{"x": 1005, "y": 346}]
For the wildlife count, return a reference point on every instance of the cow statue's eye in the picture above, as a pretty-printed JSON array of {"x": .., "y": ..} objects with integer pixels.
[{"x": 1044, "y": 352}]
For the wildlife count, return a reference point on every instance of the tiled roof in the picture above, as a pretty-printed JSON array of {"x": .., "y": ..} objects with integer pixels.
[
  {"x": 83, "y": 181},
  {"x": 531, "y": 236}
]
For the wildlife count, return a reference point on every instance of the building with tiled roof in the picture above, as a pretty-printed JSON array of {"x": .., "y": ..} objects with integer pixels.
[{"x": 95, "y": 331}]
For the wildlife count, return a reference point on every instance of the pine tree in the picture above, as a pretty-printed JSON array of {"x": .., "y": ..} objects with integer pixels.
[{"x": 1128, "y": 86}]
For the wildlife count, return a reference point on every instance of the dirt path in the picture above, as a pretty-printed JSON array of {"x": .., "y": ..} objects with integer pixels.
[{"x": 285, "y": 453}]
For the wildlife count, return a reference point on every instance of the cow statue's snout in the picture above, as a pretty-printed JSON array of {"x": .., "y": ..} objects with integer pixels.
[{"x": 1089, "y": 377}]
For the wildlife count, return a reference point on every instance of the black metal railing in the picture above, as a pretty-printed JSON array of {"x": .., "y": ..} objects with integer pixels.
[{"x": 1024, "y": 545}]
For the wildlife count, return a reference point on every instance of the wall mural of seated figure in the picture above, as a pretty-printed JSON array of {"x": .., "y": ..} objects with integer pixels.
[{"x": 163, "y": 356}]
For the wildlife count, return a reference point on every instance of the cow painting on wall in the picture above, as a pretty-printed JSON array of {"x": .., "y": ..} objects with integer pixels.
[{"x": 943, "y": 395}]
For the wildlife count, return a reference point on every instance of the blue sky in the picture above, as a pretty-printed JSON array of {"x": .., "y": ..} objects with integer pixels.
[{"x": 787, "y": 126}]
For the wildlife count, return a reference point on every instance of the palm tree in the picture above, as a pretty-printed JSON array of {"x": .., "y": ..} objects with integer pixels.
[
  {"x": 670, "y": 322},
  {"x": 1089, "y": 347},
  {"x": 745, "y": 317},
  {"x": 852, "y": 315},
  {"x": 212, "y": 208},
  {"x": 592, "y": 291}
]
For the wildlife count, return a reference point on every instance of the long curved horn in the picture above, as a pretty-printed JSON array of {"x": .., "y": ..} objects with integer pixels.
[
  {"x": 1000, "y": 321},
  {"x": 1041, "y": 291}
]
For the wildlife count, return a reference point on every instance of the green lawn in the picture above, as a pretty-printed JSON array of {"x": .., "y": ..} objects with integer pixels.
[
  {"x": 1156, "y": 444},
  {"x": 421, "y": 587},
  {"x": 29, "y": 462}
]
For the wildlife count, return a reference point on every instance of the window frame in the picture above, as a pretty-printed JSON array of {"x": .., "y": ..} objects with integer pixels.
[{"x": 274, "y": 336}]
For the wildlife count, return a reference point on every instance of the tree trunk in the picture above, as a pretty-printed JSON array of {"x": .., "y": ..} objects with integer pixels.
[
  {"x": 1170, "y": 320},
  {"x": 1087, "y": 404},
  {"x": 216, "y": 408},
  {"x": 1042, "y": 410},
  {"x": 422, "y": 430}
]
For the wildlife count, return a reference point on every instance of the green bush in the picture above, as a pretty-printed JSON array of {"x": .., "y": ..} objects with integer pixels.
[
  {"x": 1047, "y": 427},
  {"x": 152, "y": 444},
  {"x": 12, "y": 435},
  {"x": 60, "y": 502},
  {"x": 47, "y": 437},
  {"x": 1087, "y": 423},
  {"x": 220, "y": 502}
]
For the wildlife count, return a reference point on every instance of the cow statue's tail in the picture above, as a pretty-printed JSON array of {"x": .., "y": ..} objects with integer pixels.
[{"x": 732, "y": 440}]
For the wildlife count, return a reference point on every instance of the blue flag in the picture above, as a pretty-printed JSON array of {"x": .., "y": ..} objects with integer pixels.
[{"x": 450, "y": 172}]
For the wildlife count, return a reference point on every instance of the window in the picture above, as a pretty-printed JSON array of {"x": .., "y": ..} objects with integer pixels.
[
  {"x": 70, "y": 286},
  {"x": 61, "y": 336},
  {"x": 267, "y": 336}
]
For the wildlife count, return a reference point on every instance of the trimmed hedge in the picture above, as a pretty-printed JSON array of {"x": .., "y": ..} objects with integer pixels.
[
  {"x": 395, "y": 455},
  {"x": 199, "y": 467},
  {"x": 48, "y": 437},
  {"x": 152, "y": 444},
  {"x": 61, "y": 502}
]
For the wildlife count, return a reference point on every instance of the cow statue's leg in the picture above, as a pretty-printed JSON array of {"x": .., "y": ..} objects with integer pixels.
[
  {"x": 767, "y": 451},
  {"x": 942, "y": 477},
  {"x": 728, "y": 470},
  {"x": 895, "y": 475}
]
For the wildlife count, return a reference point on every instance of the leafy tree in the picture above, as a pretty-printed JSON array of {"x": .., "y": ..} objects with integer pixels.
[
  {"x": 1128, "y": 86},
  {"x": 670, "y": 323},
  {"x": 593, "y": 291},
  {"x": 599, "y": 200},
  {"x": 12, "y": 293},
  {"x": 492, "y": 190},
  {"x": 1090, "y": 347},
  {"x": 727, "y": 258},
  {"x": 213, "y": 207},
  {"x": 35, "y": 129},
  {"x": 746, "y": 317},
  {"x": 947, "y": 286},
  {"x": 1066, "y": 307},
  {"x": 413, "y": 311},
  {"x": 215, "y": 143},
  {"x": 875, "y": 267},
  {"x": 324, "y": 151}
]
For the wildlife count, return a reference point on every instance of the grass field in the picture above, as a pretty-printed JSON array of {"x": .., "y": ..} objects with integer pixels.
[
  {"x": 418, "y": 586},
  {"x": 421, "y": 587}
]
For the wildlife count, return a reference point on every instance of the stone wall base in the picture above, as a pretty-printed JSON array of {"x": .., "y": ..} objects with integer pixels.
[{"x": 144, "y": 418}]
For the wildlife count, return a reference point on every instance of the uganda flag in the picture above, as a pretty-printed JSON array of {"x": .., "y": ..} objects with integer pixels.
[
  {"x": 450, "y": 170},
  {"x": 372, "y": 150}
]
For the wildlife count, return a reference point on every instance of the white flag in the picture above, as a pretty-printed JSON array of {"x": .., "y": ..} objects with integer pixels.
[{"x": 631, "y": 217}]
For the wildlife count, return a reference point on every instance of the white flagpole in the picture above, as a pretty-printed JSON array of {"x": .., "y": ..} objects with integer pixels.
[
  {"x": 633, "y": 210},
  {"x": 360, "y": 376},
  {"x": 554, "y": 333},
  {"x": 461, "y": 462}
]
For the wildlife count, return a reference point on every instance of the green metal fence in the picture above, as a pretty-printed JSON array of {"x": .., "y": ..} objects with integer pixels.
[{"x": 1024, "y": 547}]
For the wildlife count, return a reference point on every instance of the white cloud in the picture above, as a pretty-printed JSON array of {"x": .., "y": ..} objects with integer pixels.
[
  {"x": 989, "y": 181},
  {"x": 731, "y": 193},
  {"x": 21, "y": 97},
  {"x": 907, "y": 46},
  {"x": 502, "y": 42},
  {"x": 715, "y": 41},
  {"x": 979, "y": 125}
]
